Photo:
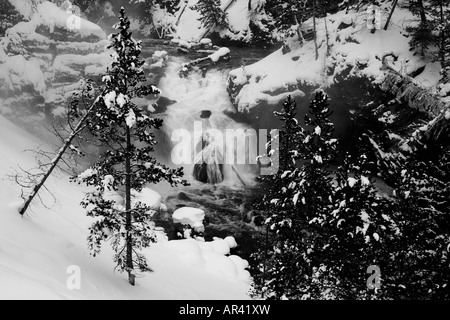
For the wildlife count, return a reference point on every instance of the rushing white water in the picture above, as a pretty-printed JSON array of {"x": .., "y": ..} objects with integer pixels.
[{"x": 195, "y": 94}]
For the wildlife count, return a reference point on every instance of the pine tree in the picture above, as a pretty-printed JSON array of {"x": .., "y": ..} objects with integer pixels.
[
  {"x": 354, "y": 233},
  {"x": 127, "y": 165},
  {"x": 212, "y": 15},
  {"x": 8, "y": 16},
  {"x": 422, "y": 36},
  {"x": 286, "y": 14},
  {"x": 272, "y": 275},
  {"x": 299, "y": 193},
  {"x": 433, "y": 31},
  {"x": 419, "y": 264},
  {"x": 440, "y": 9}
]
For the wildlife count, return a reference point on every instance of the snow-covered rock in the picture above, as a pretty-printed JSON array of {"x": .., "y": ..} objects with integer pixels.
[
  {"x": 190, "y": 216},
  {"x": 18, "y": 73},
  {"x": 205, "y": 41},
  {"x": 212, "y": 256},
  {"x": 55, "y": 19},
  {"x": 222, "y": 52}
]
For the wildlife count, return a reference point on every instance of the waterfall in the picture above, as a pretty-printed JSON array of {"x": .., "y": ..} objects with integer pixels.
[{"x": 198, "y": 124}]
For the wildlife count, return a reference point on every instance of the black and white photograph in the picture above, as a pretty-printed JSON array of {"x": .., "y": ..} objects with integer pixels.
[{"x": 225, "y": 154}]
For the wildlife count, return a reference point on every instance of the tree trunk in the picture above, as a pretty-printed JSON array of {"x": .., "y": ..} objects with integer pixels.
[
  {"x": 314, "y": 30},
  {"x": 229, "y": 5},
  {"x": 79, "y": 127},
  {"x": 207, "y": 30},
  {"x": 299, "y": 33},
  {"x": 128, "y": 227},
  {"x": 390, "y": 14},
  {"x": 266, "y": 253},
  {"x": 442, "y": 36},
  {"x": 181, "y": 13},
  {"x": 423, "y": 17},
  {"x": 327, "y": 36},
  {"x": 423, "y": 21}
]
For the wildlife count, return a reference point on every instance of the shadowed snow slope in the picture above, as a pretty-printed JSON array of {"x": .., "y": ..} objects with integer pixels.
[{"x": 38, "y": 250}]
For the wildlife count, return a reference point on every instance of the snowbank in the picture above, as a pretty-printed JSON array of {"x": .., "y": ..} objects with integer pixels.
[{"x": 213, "y": 257}]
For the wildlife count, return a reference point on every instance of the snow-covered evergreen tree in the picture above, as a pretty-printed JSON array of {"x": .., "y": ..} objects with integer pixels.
[
  {"x": 127, "y": 165},
  {"x": 421, "y": 36},
  {"x": 441, "y": 10},
  {"x": 418, "y": 267},
  {"x": 433, "y": 30},
  {"x": 211, "y": 14},
  {"x": 314, "y": 186},
  {"x": 353, "y": 234},
  {"x": 278, "y": 206},
  {"x": 299, "y": 193}
]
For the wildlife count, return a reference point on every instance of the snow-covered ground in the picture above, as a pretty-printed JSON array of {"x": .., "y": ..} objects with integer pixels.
[
  {"x": 351, "y": 46},
  {"x": 42, "y": 253}
]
